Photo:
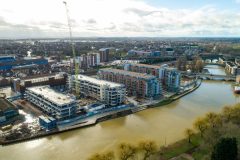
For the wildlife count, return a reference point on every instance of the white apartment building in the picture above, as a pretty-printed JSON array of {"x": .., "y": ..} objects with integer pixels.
[
  {"x": 52, "y": 102},
  {"x": 109, "y": 93}
]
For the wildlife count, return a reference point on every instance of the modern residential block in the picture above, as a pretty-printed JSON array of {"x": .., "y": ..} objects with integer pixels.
[
  {"x": 104, "y": 54},
  {"x": 137, "y": 84},
  {"x": 170, "y": 77},
  {"x": 55, "y": 104},
  {"x": 109, "y": 93}
]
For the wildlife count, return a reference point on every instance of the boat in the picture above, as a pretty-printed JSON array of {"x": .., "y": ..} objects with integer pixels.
[{"x": 237, "y": 89}]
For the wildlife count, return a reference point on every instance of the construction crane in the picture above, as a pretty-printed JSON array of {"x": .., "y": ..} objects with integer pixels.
[{"x": 77, "y": 87}]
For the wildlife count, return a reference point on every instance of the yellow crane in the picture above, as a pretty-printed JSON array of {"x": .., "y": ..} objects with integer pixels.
[{"x": 77, "y": 87}]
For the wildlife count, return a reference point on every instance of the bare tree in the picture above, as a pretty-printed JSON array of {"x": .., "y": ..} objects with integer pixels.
[
  {"x": 189, "y": 133},
  {"x": 201, "y": 125},
  {"x": 127, "y": 151},
  {"x": 148, "y": 147}
]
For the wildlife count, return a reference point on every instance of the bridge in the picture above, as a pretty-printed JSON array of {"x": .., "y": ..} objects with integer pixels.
[
  {"x": 216, "y": 77},
  {"x": 211, "y": 58}
]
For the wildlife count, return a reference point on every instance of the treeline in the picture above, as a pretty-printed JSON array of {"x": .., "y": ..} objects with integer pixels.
[
  {"x": 126, "y": 151},
  {"x": 220, "y": 134}
]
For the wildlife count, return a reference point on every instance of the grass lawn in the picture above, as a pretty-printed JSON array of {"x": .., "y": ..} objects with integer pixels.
[
  {"x": 199, "y": 154},
  {"x": 181, "y": 147}
]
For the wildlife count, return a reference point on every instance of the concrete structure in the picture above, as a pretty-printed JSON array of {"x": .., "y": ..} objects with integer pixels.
[
  {"x": 48, "y": 123},
  {"x": 109, "y": 93},
  {"x": 55, "y": 104},
  {"x": 137, "y": 84},
  {"x": 7, "y": 111},
  {"x": 104, "y": 54},
  {"x": 54, "y": 80}
]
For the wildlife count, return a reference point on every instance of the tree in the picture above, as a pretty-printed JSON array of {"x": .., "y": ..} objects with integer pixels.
[
  {"x": 181, "y": 63},
  {"x": 212, "y": 119},
  {"x": 201, "y": 125},
  {"x": 104, "y": 156},
  {"x": 235, "y": 116},
  {"x": 227, "y": 112},
  {"x": 225, "y": 149},
  {"x": 189, "y": 133},
  {"x": 148, "y": 147},
  {"x": 127, "y": 151}
]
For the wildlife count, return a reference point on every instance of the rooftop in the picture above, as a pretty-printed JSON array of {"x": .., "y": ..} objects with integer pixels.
[
  {"x": 146, "y": 65},
  {"x": 52, "y": 95},
  {"x": 38, "y": 78},
  {"x": 98, "y": 81},
  {"x": 133, "y": 74}
]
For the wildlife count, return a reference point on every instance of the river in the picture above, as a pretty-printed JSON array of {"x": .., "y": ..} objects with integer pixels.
[{"x": 163, "y": 124}]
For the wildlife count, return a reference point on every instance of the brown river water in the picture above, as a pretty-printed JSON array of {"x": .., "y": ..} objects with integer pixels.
[{"x": 165, "y": 124}]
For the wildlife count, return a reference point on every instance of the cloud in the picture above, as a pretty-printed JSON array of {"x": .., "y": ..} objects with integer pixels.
[
  {"x": 113, "y": 18},
  {"x": 91, "y": 21}
]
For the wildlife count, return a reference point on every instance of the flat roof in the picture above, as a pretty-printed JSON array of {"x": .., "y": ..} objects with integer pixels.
[
  {"x": 99, "y": 82},
  {"x": 41, "y": 77},
  {"x": 128, "y": 73},
  {"x": 146, "y": 65},
  {"x": 52, "y": 95}
]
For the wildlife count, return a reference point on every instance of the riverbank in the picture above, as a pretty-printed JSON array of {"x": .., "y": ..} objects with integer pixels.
[
  {"x": 200, "y": 144},
  {"x": 176, "y": 96},
  {"x": 74, "y": 127},
  {"x": 179, "y": 148},
  {"x": 94, "y": 121}
]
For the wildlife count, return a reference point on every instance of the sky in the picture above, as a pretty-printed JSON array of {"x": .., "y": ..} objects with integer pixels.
[{"x": 120, "y": 18}]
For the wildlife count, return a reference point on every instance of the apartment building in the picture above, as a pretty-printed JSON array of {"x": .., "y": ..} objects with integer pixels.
[
  {"x": 170, "y": 77},
  {"x": 109, "y": 93},
  {"x": 88, "y": 60},
  {"x": 104, "y": 54},
  {"x": 137, "y": 84},
  {"x": 154, "y": 70},
  {"x": 55, "y": 104}
]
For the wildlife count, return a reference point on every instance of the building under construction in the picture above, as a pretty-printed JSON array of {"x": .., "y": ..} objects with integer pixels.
[
  {"x": 54, "y": 103},
  {"x": 109, "y": 93},
  {"x": 137, "y": 84}
]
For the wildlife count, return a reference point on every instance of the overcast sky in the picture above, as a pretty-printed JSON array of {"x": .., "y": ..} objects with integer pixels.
[{"x": 122, "y": 18}]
